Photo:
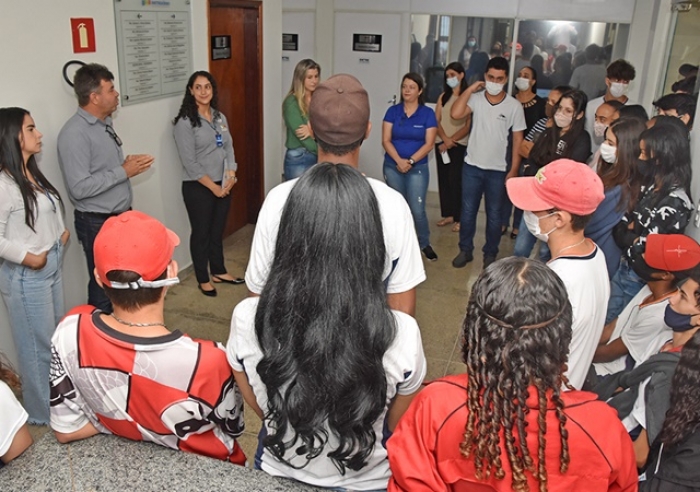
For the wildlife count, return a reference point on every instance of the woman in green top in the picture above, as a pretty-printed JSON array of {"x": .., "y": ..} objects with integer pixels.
[{"x": 301, "y": 146}]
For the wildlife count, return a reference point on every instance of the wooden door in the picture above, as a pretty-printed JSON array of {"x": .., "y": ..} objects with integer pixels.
[{"x": 239, "y": 80}]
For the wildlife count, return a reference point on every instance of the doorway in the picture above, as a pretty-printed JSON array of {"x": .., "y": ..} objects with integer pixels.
[{"x": 239, "y": 79}]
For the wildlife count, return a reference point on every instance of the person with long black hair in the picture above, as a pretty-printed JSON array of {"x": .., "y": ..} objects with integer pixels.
[
  {"x": 664, "y": 206},
  {"x": 319, "y": 356},
  {"x": 672, "y": 463},
  {"x": 566, "y": 138},
  {"x": 452, "y": 137},
  {"x": 32, "y": 238},
  {"x": 205, "y": 146},
  {"x": 507, "y": 424}
]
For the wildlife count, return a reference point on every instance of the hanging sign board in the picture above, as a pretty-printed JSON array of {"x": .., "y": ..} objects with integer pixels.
[
  {"x": 154, "y": 48},
  {"x": 367, "y": 42},
  {"x": 290, "y": 42}
]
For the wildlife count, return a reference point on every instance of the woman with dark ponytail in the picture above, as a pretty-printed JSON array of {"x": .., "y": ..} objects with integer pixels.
[
  {"x": 319, "y": 356},
  {"x": 32, "y": 237},
  {"x": 517, "y": 429}
]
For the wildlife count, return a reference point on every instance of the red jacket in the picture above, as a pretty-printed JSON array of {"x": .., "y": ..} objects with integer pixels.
[{"x": 424, "y": 450}]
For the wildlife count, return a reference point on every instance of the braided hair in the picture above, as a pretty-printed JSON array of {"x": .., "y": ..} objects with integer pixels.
[{"x": 509, "y": 348}]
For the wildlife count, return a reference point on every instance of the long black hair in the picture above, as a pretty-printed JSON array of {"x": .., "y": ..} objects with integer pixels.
[
  {"x": 12, "y": 162},
  {"x": 667, "y": 146},
  {"x": 447, "y": 90},
  {"x": 546, "y": 149},
  {"x": 188, "y": 108},
  {"x": 508, "y": 348},
  {"x": 323, "y": 323},
  {"x": 683, "y": 416}
]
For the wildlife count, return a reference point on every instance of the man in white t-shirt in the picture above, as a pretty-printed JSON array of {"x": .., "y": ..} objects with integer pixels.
[
  {"x": 619, "y": 74},
  {"x": 558, "y": 203},
  {"x": 339, "y": 117},
  {"x": 495, "y": 116}
]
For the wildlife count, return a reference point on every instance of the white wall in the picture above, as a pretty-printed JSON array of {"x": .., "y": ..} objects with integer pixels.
[{"x": 36, "y": 42}]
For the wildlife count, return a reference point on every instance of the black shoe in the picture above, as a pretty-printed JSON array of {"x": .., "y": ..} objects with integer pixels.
[
  {"x": 488, "y": 260},
  {"x": 218, "y": 280},
  {"x": 429, "y": 253},
  {"x": 208, "y": 293},
  {"x": 462, "y": 259}
]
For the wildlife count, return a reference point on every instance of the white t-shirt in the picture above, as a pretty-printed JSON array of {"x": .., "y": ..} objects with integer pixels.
[
  {"x": 591, "y": 108},
  {"x": 405, "y": 367},
  {"x": 642, "y": 330},
  {"x": 403, "y": 267},
  {"x": 491, "y": 124},
  {"x": 12, "y": 417},
  {"x": 587, "y": 283}
]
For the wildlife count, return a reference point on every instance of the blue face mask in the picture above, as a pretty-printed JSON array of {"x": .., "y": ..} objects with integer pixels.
[{"x": 676, "y": 321}]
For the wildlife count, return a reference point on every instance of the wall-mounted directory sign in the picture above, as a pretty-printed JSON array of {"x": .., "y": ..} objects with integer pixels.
[
  {"x": 154, "y": 47},
  {"x": 290, "y": 42}
]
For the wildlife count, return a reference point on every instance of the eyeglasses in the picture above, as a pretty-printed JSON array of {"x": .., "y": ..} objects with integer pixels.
[{"x": 113, "y": 134}]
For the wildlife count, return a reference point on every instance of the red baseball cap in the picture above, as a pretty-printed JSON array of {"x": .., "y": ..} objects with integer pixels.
[
  {"x": 135, "y": 242},
  {"x": 562, "y": 184},
  {"x": 671, "y": 252}
]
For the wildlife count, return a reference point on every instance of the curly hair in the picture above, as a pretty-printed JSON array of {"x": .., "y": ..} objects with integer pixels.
[
  {"x": 8, "y": 375},
  {"x": 683, "y": 416},
  {"x": 509, "y": 348},
  {"x": 323, "y": 323},
  {"x": 188, "y": 108}
]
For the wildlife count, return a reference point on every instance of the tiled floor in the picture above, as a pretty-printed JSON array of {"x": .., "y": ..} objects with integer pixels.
[
  {"x": 441, "y": 304},
  {"x": 442, "y": 300}
]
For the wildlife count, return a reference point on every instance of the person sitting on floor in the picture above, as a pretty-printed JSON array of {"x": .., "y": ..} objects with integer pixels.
[
  {"x": 126, "y": 373},
  {"x": 506, "y": 424},
  {"x": 14, "y": 431}
]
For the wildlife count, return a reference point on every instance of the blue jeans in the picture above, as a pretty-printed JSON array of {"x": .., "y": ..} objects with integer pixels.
[
  {"x": 475, "y": 183},
  {"x": 624, "y": 285},
  {"x": 34, "y": 300},
  {"x": 526, "y": 241},
  {"x": 296, "y": 161},
  {"x": 413, "y": 185},
  {"x": 86, "y": 228}
]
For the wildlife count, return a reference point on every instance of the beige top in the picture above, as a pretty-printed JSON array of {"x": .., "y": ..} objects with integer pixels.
[{"x": 451, "y": 125}]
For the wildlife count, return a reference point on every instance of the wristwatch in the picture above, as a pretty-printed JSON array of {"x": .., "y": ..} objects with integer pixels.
[{"x": 411, "y": 161}]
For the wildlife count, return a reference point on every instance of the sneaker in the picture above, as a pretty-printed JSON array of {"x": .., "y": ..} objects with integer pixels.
[
  {"x": 462, "y": 259},
  {"x": 429, "y": 253},
  {"x": 488, "y": 260}
]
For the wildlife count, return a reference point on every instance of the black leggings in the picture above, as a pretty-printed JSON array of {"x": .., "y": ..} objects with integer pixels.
[{"x": 450, "y": 181}]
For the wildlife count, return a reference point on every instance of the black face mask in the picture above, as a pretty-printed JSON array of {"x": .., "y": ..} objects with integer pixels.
[
  {"x": 678, "y": 322},
  {"x": 646, "y": 169}
]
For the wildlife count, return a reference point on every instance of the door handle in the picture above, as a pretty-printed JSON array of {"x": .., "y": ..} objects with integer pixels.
[{"x": 392, "y": 101}]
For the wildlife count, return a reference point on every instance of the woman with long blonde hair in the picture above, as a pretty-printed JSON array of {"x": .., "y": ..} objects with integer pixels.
[{"x": 301, "y": 146}]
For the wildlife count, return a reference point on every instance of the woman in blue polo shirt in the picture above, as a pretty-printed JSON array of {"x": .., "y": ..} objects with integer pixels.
[{"x": 408, "y": 136}]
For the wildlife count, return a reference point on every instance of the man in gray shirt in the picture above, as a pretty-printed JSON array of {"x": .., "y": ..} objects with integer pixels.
[
  {"x": 93, "y": 165},
  {"x": 590, "y": 77}
]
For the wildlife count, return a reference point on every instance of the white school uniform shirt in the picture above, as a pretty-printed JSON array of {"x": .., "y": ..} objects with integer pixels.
[
  {"x": 404, "y": 365},
  {"x": 491, "y": 124},
  {"x": 403, "y": 269},
  {"x": 587, "y": 283},
  {"x": 642, "y": 330},
  {"x": 12, "y": 417}
]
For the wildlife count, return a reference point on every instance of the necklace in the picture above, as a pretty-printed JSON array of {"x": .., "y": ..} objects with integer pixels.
[
  {"x": 572, "y": 246},
  {"x": 140, "y": 325}
]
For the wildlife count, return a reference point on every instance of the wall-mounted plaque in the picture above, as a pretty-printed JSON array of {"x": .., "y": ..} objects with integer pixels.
[
  {"x": 154, "y": 48},
  {"x": 290, "y": 42},
  {"x": 220, "y": 47},
  {"x": 367, "y": 42}
]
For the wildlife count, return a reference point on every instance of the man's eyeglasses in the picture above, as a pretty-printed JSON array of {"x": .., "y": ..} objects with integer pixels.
[{"x": 113, "y": 134}]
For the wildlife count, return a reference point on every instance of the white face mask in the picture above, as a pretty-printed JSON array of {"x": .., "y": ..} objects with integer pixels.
[
  {"x": 494, "y": 88},
  {"x": 533, "y": 225},
  {"x": 608, "y": 153},
  {"x": 452, "y": 82},
  {"x": 599, "y": 129},
  {"x": 522, "y": 83},
  {"x": 562, "y": 120},
  {"x": 618, "y": 89}
]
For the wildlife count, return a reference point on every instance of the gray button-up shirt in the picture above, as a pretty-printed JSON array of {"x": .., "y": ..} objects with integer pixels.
[
  {"x": 91, "y": 163},
  {"x": 199, "y": 153}
]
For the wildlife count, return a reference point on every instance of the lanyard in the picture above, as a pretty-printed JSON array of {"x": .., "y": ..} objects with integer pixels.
[{"x": 216, "y": 118}]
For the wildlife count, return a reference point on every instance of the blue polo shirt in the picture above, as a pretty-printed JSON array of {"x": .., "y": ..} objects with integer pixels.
[{"x": 408, "y": 133}]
